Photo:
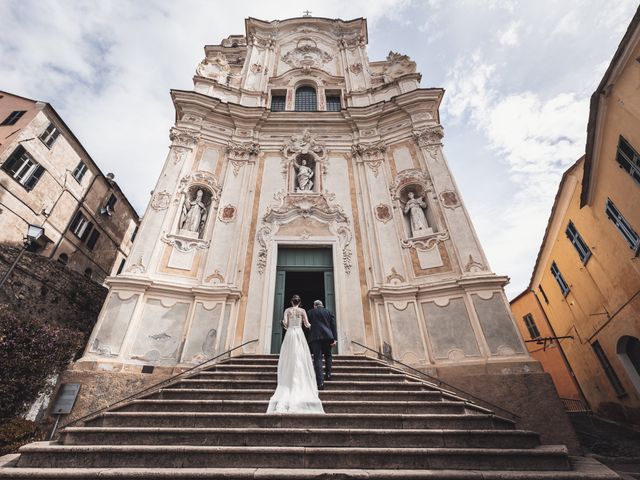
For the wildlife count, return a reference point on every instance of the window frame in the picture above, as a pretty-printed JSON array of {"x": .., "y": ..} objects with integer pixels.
[
  {"x": 28, "y": 172},
  {"x": 282, "y": 97},
  {"x": 629, "y": 165},
  {"x": 584, "y": 252},
  {"x": 80, "y": 171},
  {"x": 81, "y": 226},
  {"x": 331, "y": 95},
  {"x": 49, "y": 137},
  {"x": 562, "y": 283},
  {"x": 92, "y": 239},
  {"x": 530, "y": 323},
  {"x": 622, "y": 225},
  {"x": 13, "y": 118}
]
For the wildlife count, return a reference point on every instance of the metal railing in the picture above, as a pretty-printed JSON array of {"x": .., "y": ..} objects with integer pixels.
[
  {"x": 438, "y": 382},
  {"x": 571, "y": 405},
  {"x": 156, "y": 386}
]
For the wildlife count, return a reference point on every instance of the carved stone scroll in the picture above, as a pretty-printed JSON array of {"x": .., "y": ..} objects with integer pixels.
[
  {"x": 371, "y": 154},
  {"x": 241, "y": 153},
  {"x": 430, "y": 138}
]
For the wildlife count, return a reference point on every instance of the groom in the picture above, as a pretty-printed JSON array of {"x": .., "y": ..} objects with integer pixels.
[{"x": 321, "y": 338}]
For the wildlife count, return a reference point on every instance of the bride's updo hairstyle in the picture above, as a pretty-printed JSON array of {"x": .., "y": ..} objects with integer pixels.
[{"x": 295, "y": 300}]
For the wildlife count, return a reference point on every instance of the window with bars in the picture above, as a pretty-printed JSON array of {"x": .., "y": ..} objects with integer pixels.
[
  {"x": 608, "y": 369},
  {"x": 622, "y": 225},
  {"x": 531, "y": 326},
  {"x": 13, "y": 117},
  {"x": 555, "y": 271},
  {"x": 333, "y": 103},
  {"x": 628, "y": 158},
  {"x": 79, "y": 171},
  {"x": 49, "y": 135},
  {"x": 23, "y": 168},
  {"x": 578, "y": 242},
  {"x": 278, "y": 103},
  {"x": 306, "y": 100}
]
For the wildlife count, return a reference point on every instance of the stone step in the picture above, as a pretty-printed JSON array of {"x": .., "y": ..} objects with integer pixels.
[
  {"x": 471, "y": 421},
  {"x": 260, "y": 406},
  {"x": 271, "y": 384},
  {"x": 45, "y": 454},
  {"x": 301, "y": 437},
  {"x": 273, "y": 369},
  {"x": 272, "y": 376},
  {"x": 264, "y": 394}
]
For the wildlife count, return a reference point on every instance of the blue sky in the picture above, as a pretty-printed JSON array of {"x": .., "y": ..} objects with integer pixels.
[{"x": 517, "y": 75}]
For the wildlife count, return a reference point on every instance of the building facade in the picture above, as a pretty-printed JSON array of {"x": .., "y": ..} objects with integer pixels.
[
  {"x": 48, "y": 179},
  {"x": 587, "y": 275},
  {"x": 298, "y": 166}
]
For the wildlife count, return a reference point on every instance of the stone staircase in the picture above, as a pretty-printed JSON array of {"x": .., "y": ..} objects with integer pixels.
[{"x": 380, "y": 423}]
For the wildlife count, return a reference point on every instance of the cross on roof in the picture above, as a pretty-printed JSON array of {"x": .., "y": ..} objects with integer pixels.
[{"x": 306, "y": 13}]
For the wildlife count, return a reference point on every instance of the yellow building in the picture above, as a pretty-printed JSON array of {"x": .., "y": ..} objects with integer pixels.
[{"x": 587, "y": 275}]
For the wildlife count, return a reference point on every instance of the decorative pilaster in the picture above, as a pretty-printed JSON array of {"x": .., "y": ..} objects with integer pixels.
[{"x": 239, "y": 154}]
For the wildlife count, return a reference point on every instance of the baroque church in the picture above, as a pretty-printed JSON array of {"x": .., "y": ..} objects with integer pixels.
[{"x": 298, "y": 166}]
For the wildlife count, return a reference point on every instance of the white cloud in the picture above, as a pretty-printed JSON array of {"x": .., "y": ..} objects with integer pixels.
[
  {"x": 510, "y": 36},
  {"x": 568, "y": 25}
]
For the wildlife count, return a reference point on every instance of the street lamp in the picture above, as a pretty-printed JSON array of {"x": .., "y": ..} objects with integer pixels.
[{"x": 34, "y": 232}]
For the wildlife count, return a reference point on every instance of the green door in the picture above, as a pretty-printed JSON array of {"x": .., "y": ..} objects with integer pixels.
[{"x": 307, "y": 272}]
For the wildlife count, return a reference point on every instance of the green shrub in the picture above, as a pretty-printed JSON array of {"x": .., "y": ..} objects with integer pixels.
[{"x": 31, "y": 351}]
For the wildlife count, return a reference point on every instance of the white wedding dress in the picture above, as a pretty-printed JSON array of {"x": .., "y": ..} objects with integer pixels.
[{"x": 297, "y": 391}]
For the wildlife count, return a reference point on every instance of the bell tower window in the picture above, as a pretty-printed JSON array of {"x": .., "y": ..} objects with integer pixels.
[{"x": 306, "y": 100}]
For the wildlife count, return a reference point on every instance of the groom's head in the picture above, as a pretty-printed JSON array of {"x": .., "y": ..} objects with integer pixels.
[{"x": 317, "y": 304}]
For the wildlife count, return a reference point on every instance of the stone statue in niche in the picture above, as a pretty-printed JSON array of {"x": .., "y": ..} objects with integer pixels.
[
  {"x": 415, "y": 208},
  {"x": 194, "y": 214},
  {"x": 304, "y": 174}
]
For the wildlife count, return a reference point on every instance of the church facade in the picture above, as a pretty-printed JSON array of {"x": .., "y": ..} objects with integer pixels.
[{"x": 297, "y": 166}]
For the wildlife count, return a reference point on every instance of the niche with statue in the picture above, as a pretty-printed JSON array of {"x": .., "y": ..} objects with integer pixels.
[
  {"x": 419, "y": 219},
  {"x": 195, "y": 211}
]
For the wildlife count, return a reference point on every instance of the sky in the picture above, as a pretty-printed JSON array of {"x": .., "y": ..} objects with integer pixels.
[{"x": 517, "y": 77}]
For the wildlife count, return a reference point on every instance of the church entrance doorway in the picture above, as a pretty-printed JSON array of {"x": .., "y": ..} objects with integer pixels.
[{"x": 307, "y": 272}]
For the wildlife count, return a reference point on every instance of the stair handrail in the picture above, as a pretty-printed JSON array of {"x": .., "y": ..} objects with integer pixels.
[
  {"x": 442, "y": 382},
  {"x": 157, "y": 386}
]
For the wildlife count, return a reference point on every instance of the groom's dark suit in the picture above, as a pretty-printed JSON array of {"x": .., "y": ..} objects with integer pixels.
[{"x": 322, "y": 335}]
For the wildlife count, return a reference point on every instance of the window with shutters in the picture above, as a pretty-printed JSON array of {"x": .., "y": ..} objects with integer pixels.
[
  {"x": 578, "y": 242},
  {"x": 622, "y": 225},
  {"x": 23, "y": 168},
  {"x": 564, "y": 286},
  {"x": 531, "y": 326},
  {"x": 93, "y": 239},
  {"x": 628, "y": 158},
  {"x": 79, "y": 171},
  {"x": 81, "y": 226},
  {"x": 306, "y": 100},
  {"x": 13, "y": 117},
  {"x": 49, "y": 135},
  {"x": 108, "y": 208}
]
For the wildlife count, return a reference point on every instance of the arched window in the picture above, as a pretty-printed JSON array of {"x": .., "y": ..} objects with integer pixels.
[
  {"x": 306, "y": 99},
  {"x": 628, "y": 350},
  {"x": 63, "y": 258}
]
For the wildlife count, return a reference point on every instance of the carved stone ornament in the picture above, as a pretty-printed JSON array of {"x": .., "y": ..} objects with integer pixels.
[
  {"x": 227, "y": 213},
  {"x": 137, "y": 267},
  {"x": 450, "y": 199},
  {"x": 411, "y": 176},
  {"x": 161, "y": 200},
  {"x": 256, "y": 68},
  {"x": 216, "y": 67},
  {"x": 430, "y": 138},
  {"x": 241, "y": 153},
  {"x": 355, "y": 68},
  {"x": 306, "y": 56},
  {"x": 200, "y": 178},
  {"x": 183, "y": 138},
  {"x": 473, "y": 265},
  {"x": 395, "y": 277},
  {"x": 351, "y": 42},
  {"x": 427, "y": 242},
  {"x": 397, "y": 66},
  {"x": 383, "y": 212},
  {"x": 303, "y": 144},
  {"x": 183, "y": 243},
  {"x": 179, "y": 154},
  {"x": 215, "y": 278},
  {"x": 305, "y": 205},
  {"x": 371, "y": 154}
]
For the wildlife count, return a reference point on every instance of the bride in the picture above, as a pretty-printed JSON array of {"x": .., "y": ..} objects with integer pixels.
[{"x": 297, "y": 391}]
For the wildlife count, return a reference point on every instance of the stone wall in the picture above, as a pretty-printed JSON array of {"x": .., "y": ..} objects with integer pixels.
[{"x": 40, "y": 287}]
